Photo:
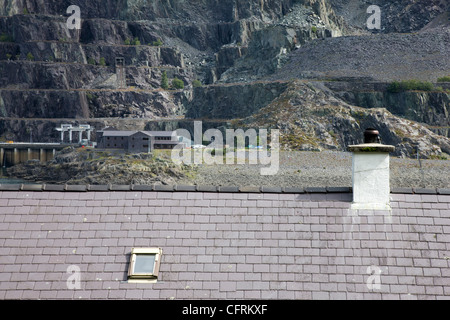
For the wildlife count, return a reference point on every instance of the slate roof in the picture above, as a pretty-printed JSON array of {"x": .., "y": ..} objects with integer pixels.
[
  {"x": 112, "y": 133},
  {"x": 160, "y": 133},
  {"x": 225, "y": 243}
]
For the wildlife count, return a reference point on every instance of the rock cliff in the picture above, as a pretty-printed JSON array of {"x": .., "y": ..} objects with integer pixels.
[{"x": 246, "y": 54}]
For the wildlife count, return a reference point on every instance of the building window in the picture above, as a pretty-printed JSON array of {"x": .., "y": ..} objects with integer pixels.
[{"x": 144, "y": 264}]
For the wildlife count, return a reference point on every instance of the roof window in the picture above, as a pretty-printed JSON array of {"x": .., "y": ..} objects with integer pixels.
[{"x": 144, "y": 265}]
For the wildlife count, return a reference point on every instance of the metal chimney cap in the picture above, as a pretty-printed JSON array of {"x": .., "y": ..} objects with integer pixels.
[
  {"x": 372, "y": 130},
  {"x": 372, "y": 135}
]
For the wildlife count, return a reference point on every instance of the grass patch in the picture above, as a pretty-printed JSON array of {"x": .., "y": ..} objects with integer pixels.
[
  {"x": 177, "y": 83},
  {"x": 444, "y": 79},
  {"x": 157, "y": 43},
  {"x": 4, "y": 37},
  {"x": 409, "y": 85},
  {"x": 196, "y": 83},
  {"x": 30, "y": 57},
  {"x": 438, "y": 157}
]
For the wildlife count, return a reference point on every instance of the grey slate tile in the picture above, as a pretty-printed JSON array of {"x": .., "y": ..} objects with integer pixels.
[
  {"x": 160, "y": 187},
  {"x": 271, "y": 189},
  {"x": 94, "y": 187},
  {"x": 316, "y": 189},
  {"x": 443, "y": 191},
  {"x": 339, "y": 189},
  {"x": 293, "y": 190},
  {"x": 203, "y": 188},
  {"x": 32, "y": 187},
  {"x": 115, "y": 187},
  {"x": 402, "y": 190},
  {"x": 185, "y": 188},
  {"x": 229, "y": 189},
  {"x": 10, "y": 187},
  {"x": 250, "y": 189},
  {"x": 142, "y": 187},
  {"x": 425, "y": 191},
  {"x": 53, "y": 187},
  {"x": 76, "y": 188}
]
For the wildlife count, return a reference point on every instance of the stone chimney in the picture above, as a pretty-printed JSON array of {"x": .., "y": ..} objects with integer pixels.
[{"x": 370, "y": 173}]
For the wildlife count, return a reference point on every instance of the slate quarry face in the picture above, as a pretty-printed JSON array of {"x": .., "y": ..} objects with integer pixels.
[
  {"x": 224, "y": 245},
  {"x": 245, "y": 54}
]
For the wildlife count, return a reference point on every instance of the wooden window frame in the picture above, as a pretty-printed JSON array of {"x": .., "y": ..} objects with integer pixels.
[{"x": 144, "y": 278}]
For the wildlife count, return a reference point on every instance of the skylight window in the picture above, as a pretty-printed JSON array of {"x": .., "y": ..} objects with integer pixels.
[{"x": 144, "y": 264}]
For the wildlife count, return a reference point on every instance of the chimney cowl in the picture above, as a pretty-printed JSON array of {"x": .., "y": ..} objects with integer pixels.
[{"x": 372, "y": 135}]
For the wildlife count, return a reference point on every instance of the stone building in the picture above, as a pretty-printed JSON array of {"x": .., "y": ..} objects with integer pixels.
[{"x": 136, "y": 141}]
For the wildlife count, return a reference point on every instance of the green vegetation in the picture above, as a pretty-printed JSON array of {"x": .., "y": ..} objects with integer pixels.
[
  {"x": 91, "y": 61},
  {"x": 25, "y": 11},
  {"x": 4, "y": 37},
  {"x": 357, "y": 114},
  {"x": 8, "y": 56},
  {"x": 438, "y": 157},
  {"x": 296, "y": 140},
  {"x": 177, "y": 83},
  {"x": 400, "y": 133},
  {"x": 134, "y": 42},
  {"x": 89, "y": 96},
  {"x": 314, "y": 29},
  {"x": 444, "y": 79},
  {"x": 408, "y": 85},
  {"x": 196, "y": 83},
  {"x": 30, "y": 57},
  {"x": 164, "y": 81},
  {"x": 157, "y": 43},
  {"x": 102, "y": 62}
]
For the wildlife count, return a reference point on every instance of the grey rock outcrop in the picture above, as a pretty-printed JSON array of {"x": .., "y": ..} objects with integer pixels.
[
  {"x": 75, "y": 166},
  {"x": 312, "y": 117},
  {"x": 232, "y": 101},
  {"x": 397, "y": 16}
]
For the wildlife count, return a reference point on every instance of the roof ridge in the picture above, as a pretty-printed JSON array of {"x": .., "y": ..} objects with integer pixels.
[{"x": 203, "y": 188}]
